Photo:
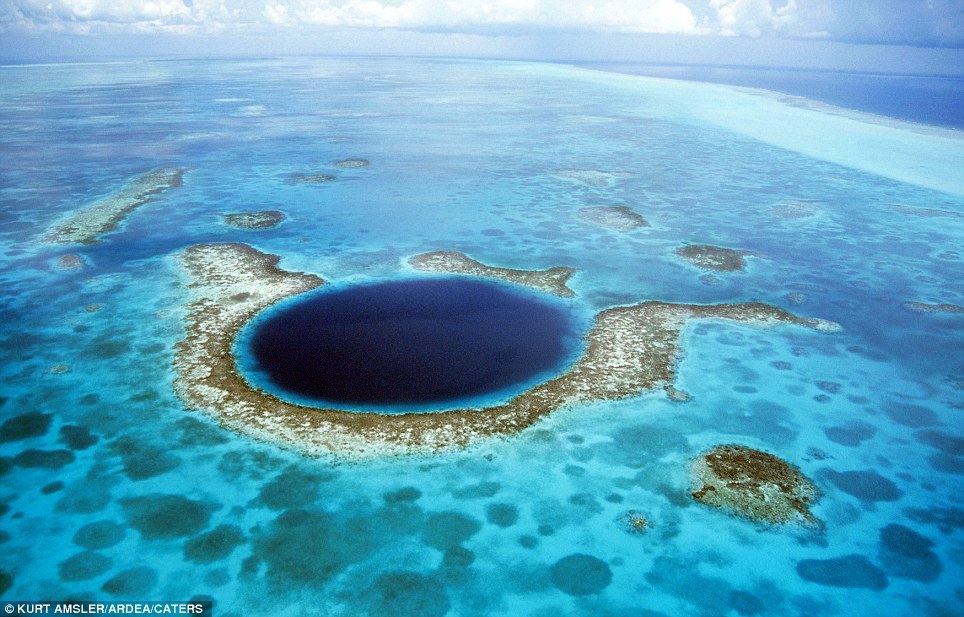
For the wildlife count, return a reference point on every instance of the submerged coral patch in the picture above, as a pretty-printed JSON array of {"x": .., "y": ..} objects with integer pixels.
[
  {"x": 84, "y": 566},
  {"x": 99, "y": 535},
  {"x": 213, "y": 545},
  {"x": 264, "y": 219},
  {"x": 308, "y": 548},
  {"x": 86, "y": 224},
  {"x": 580, "y": 574},
  {"x": 904, "y": 553},
  {"x": 44, "y": 459},
  {"x": 407, "y": 593},
  {"x": 847, "y": 571},
  {"x": 753, "y": 484},
  {"x": 131, "y": 583},
  {"x": 795, "y": 209},
  {"x": 627, "y": 351},
  {"x": 25, "y": 426},
  {"x": 866, "y": 485},
  {"x": 159, "y": 516}
]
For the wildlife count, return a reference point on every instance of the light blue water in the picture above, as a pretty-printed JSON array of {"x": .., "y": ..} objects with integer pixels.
[{"x": 160, "y": 503}]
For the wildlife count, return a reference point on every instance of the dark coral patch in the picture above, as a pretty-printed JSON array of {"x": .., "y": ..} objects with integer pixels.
[
  {"x": 905, "y": 553},
  {"x": 194, "y": 432},
  {"x": 477, "y": 491},
  {"x": 946, "y": 519},
  {"x": 86, "y": 497},
  {"x": 131, "y": 583},
  {"x": 848, "y": 571},
  {"x": 142, "y": 461},
  {"x": 160, "y": 517},
  {"x": 502, "y": 514},
  {"x": 913, "y": 416},
  {"x": 99, "y": 535},
  {"x": 24, "y": 426},
  {"x": 53, "y": 487},
  {"x": 402, "y": 495},
  {"x": 447, "y": 529},
  {"x": 947, "y": 444},
  {"x": 292, "y": 488},
  {"x": 580, "y": 575},
  {"x": 458, "y": 557},
  {"x": 867, "y": 486},
  {"x": 44, "y": 459},
  {"x": 213, "y": 545},
  {"x": 77, "y": 437},
  {"x": 850, "y": 434},
  {"x": 407, "y": 593},
  {"x": 308, "y": 548},
  {"x": 6, "y": 581},
  {"x": 84, "y": 566}
]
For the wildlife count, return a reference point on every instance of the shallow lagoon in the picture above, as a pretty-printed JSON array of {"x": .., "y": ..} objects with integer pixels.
[{"x": 111, "y": 489}]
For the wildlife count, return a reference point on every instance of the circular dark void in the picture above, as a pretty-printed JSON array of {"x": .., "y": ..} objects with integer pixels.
[{"x": 412, "y": 341}]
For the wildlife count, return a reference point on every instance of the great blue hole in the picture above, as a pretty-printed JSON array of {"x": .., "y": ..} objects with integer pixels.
[{"x": 410, "y": 342}]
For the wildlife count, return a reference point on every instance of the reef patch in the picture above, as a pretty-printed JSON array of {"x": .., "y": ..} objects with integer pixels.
[
  {"x": 264, "y": 219},
  {"x": 716, "y": 258},
  {"x": 755, "y": 485},
  {"x": 627, "y": 351},
  {"x": 83, "y": 226},
  {"x": 551, "y": 281},
  {"x": 311, "y": 178},
  {"x": 595, "y": 178},
  {"x": 923, "y": 307},
  {"x": 618, "y": 218},
  {"x": 352, "y": 163}
]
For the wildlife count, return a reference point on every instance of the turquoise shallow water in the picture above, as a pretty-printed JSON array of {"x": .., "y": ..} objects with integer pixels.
[{"x": 112, "y": 490}]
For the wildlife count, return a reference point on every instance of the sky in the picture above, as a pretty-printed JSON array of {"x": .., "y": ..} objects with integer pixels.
[{"x": 890, "y": 35}]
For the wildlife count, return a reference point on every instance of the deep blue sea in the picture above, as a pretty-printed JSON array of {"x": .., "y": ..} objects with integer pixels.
[
  {"x": 928, "y": 99},
  {"x": 112, "y": 490}
]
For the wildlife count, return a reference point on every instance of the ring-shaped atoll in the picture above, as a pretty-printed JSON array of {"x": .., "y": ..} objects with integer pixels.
[{"x": 628, "y": 350}]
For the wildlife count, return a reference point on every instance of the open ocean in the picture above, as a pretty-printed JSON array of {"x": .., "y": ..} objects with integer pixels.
[{"x": 113, "y": 490}]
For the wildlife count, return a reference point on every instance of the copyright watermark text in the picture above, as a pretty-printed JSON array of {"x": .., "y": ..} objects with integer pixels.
[{"x": 108, "y": 608}]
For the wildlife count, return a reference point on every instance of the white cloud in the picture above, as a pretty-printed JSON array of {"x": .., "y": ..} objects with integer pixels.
[
  {"x": 927, "y": 22},
  {"x": 655, "y": 16}
]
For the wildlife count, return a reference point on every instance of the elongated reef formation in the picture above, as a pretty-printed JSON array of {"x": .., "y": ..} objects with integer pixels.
[
  {"x": 627, "y": 351},
  {"x": 85, "y": 225}
]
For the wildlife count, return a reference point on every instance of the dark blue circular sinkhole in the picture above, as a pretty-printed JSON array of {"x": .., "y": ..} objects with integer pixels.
[{"x": 408, "y": 342}]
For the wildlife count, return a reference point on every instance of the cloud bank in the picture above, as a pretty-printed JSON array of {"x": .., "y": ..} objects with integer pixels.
[{"x": 913, "y": 22}]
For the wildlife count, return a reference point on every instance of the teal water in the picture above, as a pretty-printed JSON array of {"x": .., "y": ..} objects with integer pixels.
[{"x": 112, "y": 490}]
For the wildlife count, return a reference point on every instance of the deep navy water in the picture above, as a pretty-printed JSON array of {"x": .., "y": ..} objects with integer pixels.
[
  {"x": 928, "y": 99},
  {"x": 411, "y": 341},
  {"x": 113, "y": 488}
]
